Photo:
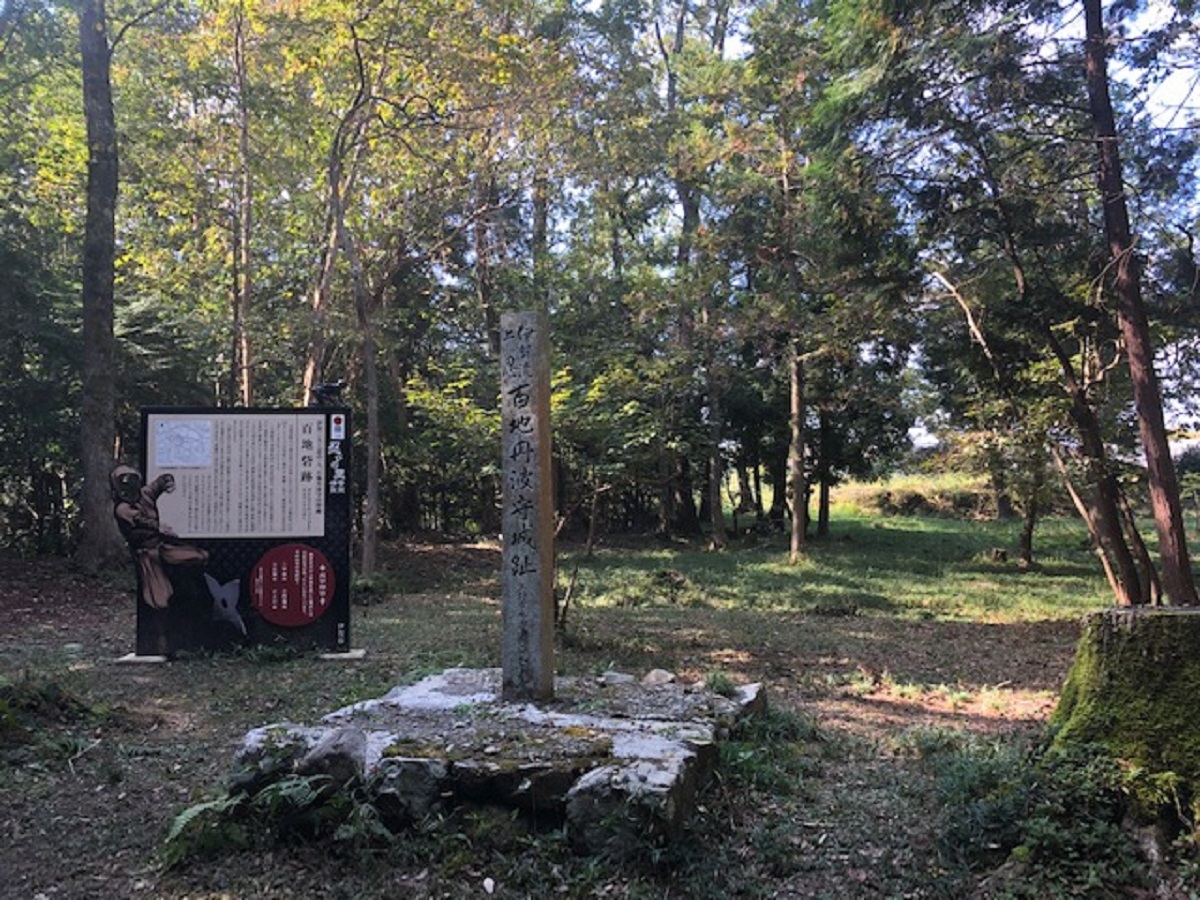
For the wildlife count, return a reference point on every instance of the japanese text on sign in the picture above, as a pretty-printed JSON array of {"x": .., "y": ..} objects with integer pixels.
[
  {"x": 520, "y": 449},
  {"x": 239, "y": 476}
]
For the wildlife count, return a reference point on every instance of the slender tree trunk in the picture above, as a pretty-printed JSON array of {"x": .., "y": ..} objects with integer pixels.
[
  {"x": 482, "y": 235},
  {"x": 797, "y": 489},
  {"x": 824, "y": 476},
  {"x": 1028, "y": 524},
  {"x": 1107, "y": 505},
  {"x": 1004, "y": 504},
  {"x": 666, "y": 492},
  {"x": 1151, "y": 584},
  {"x": 319, "y": 301},
  {"x": 720, "y": 539},
  {"x": 712, "y": 387},
  {"x": 340, "y": 172},
  {"x": 1091, "y": 520},
  {"x": 687, "y": 517},
  {"x": 777, "y": 475},
  {"x": 540, "y": 239},
  {"x": 1177, "y": 577},
  {"x": 100, "y": 542},
  {"x": 345, "y": 150},
  {"x": 362, "y": 308},
  {"x": 243, "y": 276}
]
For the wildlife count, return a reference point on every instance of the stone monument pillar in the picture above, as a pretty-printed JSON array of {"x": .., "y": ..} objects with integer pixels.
[{"x": 527, "y": 645}]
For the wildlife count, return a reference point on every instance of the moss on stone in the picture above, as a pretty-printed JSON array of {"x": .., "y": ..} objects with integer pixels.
[{"x": 1134, "y": 688}]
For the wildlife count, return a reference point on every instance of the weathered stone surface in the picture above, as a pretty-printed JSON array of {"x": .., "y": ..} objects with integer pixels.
[
  {"x": 341, "y": 754},
  {"x": 618, "y": 809},
  {"x": 658, "y": 676},
  {"x": 406, "y": 790},
  {"x": 628, "y": 753},
  {"x": 532, "y": 786},
  {"x": 527, "y": 508},
  {"x": 610, "y": 678},
  {"x": 270, "y": 753}
]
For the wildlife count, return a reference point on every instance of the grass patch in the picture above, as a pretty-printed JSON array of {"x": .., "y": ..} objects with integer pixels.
[
  {"x": 949, "y": 494},
  {"x": 897, "y": 566},
  {"x": 773, "y": 752},
  {"x": 1043, "y": 823}
]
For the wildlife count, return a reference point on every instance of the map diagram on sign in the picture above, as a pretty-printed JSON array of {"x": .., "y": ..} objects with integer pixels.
[{"x": 183, "y": 444}]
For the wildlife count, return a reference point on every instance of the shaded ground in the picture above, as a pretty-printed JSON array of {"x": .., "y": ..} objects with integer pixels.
[{"x": 83, "y": 811}]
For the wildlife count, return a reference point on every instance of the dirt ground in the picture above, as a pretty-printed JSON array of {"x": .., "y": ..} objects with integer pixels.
[{"x": 84, "y": 811}]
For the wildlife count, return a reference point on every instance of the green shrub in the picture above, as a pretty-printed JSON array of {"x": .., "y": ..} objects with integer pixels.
[
  {"x": 770, "y": 752},
  {"x": 1049, "y": 822}
]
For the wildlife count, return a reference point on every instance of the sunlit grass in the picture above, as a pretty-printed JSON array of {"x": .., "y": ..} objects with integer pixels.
[
  {"x": 862, "y": 497},
  {"x": 899, "y": 566}
]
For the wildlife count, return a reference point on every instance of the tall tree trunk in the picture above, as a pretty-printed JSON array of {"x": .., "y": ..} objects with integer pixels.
[
  {"x": 1091, "y": 520},
  {"x": 1178, "y": 582},
  {"x": 366, "y": 327},
  {"x": 759, "y": 512},
  {"x": 1106, "y": 516},
  {"x": 666, "y": 492},
  {"x": 242, "y": 222},
  {"x": 824, "y": 476},
  {"x": 712, "y": 387},
  {"x": 539, "y": 243},
  {"x": 341, "y": 169},
  {"x": 777, "y": 475},
  {"x": 797, "y": 490},
  {"x": 687, "y": 517},
  {"x": 319, "y": 300},
  {"x": 716, "y": 512},
  {"x": 481, "y": 231},
  {"x": 1028, "y": 524},
  {"x": 100, "y": 542}
]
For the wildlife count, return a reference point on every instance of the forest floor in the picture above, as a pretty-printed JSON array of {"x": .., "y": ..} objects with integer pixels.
[{"x": 117, "y": 751}]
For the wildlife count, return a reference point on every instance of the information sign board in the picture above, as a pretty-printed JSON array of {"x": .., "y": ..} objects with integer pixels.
[{"x": 241, "y": 529}]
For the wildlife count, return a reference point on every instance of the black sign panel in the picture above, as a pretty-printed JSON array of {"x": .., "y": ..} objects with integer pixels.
[{"x": 239, "y": 522}]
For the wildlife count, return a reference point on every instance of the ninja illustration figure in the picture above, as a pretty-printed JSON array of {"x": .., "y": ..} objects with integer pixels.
[
  {"x": 154, "y": 547},
  {"x": 156, "y": 550},
  {"x": 181, "y": 608}
]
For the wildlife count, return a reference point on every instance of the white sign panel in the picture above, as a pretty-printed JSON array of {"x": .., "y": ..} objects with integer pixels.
[{"x": 241, "y": 475}]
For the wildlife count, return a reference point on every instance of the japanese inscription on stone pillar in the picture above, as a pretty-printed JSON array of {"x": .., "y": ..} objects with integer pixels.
[{"x": 527, "y": 647}]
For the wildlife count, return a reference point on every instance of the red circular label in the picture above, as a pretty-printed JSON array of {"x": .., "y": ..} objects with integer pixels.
[{"x": 291, "y": 585}]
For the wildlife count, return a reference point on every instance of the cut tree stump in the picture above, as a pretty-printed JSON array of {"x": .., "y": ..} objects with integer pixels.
[{"x": 1134, "y": 688}]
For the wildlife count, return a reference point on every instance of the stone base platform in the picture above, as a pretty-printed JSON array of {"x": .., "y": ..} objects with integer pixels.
[{"x": 618, "y": 759}]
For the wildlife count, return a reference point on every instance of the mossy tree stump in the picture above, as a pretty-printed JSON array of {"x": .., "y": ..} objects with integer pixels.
[{"x": 1134, "y": 688}]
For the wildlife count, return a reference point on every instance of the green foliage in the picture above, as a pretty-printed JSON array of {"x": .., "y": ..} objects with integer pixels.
[
  {"x": 720, "y": 683},
  {"x": 1053, "y": 817},
  {"x": 204, "y": 829},
  {"x": 41, "y": 723},
  {"x": 294, "y": 808},
  {"x": 774, "y": 752}
]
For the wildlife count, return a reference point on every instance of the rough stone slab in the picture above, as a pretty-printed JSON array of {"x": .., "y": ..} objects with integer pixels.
[
  {"x": 340, "y": 754},
  {"x": 353, "y": 655},
  {"x": 406, "y": 790},
  {"x": 140, "y": 659},
  {"x": 615, "y": 809},
  {"x": 604, "y": 751}
]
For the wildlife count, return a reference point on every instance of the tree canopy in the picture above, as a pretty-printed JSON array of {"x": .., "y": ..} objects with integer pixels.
[{"x": 755, "y": 226}]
